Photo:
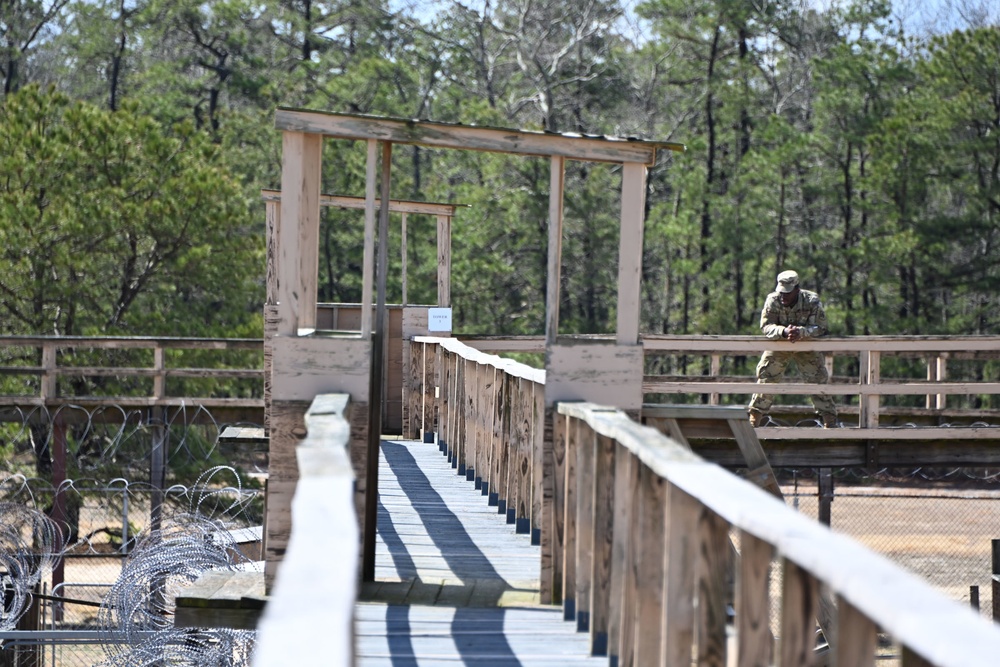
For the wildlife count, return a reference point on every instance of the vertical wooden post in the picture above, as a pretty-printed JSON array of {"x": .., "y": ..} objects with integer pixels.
[
  {"x": 680, "y": 562},
  {"x": 368, "y": 261},
  {"x": 799, "y": 607},
  {"x": 603, "y": 539},
  {"x": 911, "y": 659},
  {"x": 857, "y": 637},
  {"x": 298, "y": 249},
  {"x": 402, "y": 257},
  {"x": 271, "y": 310},
  {"x": 633, "y": 211},
  {"x": 942, "y": 375},
  {"x": 650, "y": 564},
  {"x": 540, "y": 454},
  {"x": 753, "y": 609},
  {"x": 585, "y": 471},
  {"x": 621, "y": 522},
  {"x": 160, "y": 379},
  {"x": 376, "y": 385},
  {"x": 870, "y": 375},
  {"x": 573, "y": 429},
  {"x": 556, "y": 513},
  {"x": 714, "y": 370},
  {"x": 557, "y": 178},
  {"x": 444, "y": 260},
  {"x": 49, "y": 361},
  {"x": 974, "y": 597},
  {"x": 712, "y": 573},
  {"x": 625, "y": 654}
]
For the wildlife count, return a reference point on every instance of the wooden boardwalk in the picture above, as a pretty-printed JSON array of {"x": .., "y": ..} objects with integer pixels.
[{"x": 454, "y": 583}]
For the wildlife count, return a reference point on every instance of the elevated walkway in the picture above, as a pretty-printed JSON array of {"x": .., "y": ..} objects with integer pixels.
[{"x": 454, "y": 583}]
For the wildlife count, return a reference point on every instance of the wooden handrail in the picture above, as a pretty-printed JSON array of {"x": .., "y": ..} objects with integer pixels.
[
  {"x": 699, "y": 503},
  {"x": 869, "y": 386},
  {"x": 316, "y": 593},
  {"x": 636, "y": 524},
  {"x": 47, "y": 351}
]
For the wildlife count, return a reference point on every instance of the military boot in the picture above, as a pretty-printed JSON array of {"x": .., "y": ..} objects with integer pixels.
[
  {"x": 757, "y": 418},
  {"x": 829, "y": 420}
]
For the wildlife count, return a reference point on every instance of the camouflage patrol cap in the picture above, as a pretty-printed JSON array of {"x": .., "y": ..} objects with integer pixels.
[{"x": 787, "y": 282}]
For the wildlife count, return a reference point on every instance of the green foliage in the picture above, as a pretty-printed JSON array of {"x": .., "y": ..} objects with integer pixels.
[
  {"x": 110, "y": 223},
  {"x": 827, "y": 140}
]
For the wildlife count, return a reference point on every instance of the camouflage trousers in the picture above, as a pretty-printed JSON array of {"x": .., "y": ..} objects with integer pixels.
[{"x": 812, "y": 367}]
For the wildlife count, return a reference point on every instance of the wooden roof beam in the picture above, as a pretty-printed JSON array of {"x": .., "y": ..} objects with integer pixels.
[
  {"x": 470, "y": 137},
  {"x": 395, "y": 205}
]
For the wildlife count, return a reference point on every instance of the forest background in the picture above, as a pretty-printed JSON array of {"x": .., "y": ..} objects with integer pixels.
[{"x": 836, "y": 139}]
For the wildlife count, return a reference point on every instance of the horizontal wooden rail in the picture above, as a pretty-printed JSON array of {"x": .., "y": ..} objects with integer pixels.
[
  {"x": 870, "y": 384},
  {"x": 647, "y": 545},
  {"x": 309, "y": 618},
  {"x": 44, "y": 355}
]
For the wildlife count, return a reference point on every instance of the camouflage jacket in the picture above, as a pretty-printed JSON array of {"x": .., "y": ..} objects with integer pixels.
[{"x": 807, "y": 313}]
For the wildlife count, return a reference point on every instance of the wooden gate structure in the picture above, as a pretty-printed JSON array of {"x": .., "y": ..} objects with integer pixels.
[{"x": 305, "y": 361}]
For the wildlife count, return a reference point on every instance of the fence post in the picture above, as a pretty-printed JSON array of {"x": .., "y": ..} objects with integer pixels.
[
  {"x": 825, "y": 490},
  {"x": 996, "y": 580},
  {"x": 870, "y": 374}
]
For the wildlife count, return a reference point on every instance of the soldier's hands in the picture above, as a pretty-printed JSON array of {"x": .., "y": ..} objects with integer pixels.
[{"x": 793, "y": 333}]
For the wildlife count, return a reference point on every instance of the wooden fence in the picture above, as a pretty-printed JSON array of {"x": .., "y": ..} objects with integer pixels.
[
  {"x": 710, "y": 359},
  {"x": 488, "y": 413},
  {"x": 635, "y": 537},
  {"x": 44, "y": 367}
]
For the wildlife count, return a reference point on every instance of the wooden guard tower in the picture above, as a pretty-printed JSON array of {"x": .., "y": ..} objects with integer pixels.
[{"x": 304, "y": 360}]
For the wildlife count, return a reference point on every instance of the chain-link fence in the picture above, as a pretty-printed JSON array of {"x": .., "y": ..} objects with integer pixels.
[{"x": 938, "y": 524}]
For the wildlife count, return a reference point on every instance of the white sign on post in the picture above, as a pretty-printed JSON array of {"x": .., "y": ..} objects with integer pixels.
[{"x": 439, "y": 319}]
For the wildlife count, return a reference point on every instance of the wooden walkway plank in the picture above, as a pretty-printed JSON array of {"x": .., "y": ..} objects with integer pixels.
[{"x": 456, "y": 584}]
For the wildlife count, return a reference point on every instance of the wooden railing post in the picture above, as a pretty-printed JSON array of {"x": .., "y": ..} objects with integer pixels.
[
  {"x": 541, "y": 458},
  {"x": 713, "y": 585},
  {"x": 602, "y": 538},
  {"x": 48, "y": 382},
  {"x": 857, "y": 637},
  {"x": 870, "y": 374},
  {"x": 570, "y": 481},
  {"x": 621, "y": 520},
  {"x": 654, "y": 593},
  {"x": 937, "y": 371},
  {"x": 799, "y": 607},
  {"x": 715, "y": 369},
  {"x": 585, "y": 471},
  {"x": 160, "y": 366},
  {"x": 753, "y": 610}
]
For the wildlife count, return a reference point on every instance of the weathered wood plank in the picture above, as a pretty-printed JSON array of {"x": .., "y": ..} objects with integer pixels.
[
  {"x": 570, "y": 490},
  {"x": 799, "y": 607},
  {"x": 713, "y": 589},
  {"x": 584, "y": 530},
  {"x": 649, "y": 565},
  {"x": 857, "y": 638},
  {"x": 680, "y": 560},
  {"x": 633, "y": 214},
  {"x": 753, "y": 617},
  {"x": 466, "y": 137},
  {"x": 605, "y": 474}
]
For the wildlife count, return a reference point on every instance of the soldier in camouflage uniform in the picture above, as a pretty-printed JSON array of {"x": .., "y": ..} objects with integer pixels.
[{"x": 792, "y": 313}]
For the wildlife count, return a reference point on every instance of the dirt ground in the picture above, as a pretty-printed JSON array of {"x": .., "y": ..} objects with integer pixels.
[{"x": 943, "y": 536}]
